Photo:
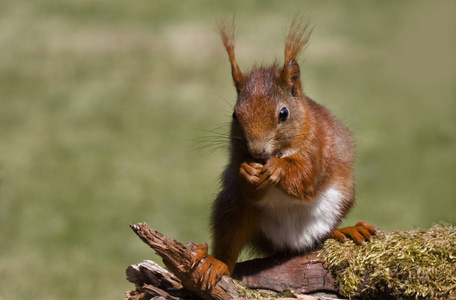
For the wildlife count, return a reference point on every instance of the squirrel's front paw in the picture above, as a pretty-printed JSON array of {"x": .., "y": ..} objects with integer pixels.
[
  {"x": 209, "y": 269},
  {"x": 359, "y": 233},
  {"x": 251, "y": 172},
  {"x": 271, "y": 173}
]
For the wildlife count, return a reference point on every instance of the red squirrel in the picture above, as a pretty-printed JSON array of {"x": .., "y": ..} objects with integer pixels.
[{"x": 289, "y": 180}]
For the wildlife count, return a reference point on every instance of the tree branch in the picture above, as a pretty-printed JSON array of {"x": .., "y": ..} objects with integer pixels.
[
  {"x": 303, "y": 274},
  {"x": 395, "y": 264},
  {"x": 178, "y": 259}
]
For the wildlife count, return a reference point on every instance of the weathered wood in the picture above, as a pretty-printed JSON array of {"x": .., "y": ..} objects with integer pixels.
[
  {"x": 302, "y": 274},
  {"x": 153, "y": 282},
  {"x": 152, "y": 273},
  {"x": 400, "y": 265},
  {"x": 178, "y": 259}
]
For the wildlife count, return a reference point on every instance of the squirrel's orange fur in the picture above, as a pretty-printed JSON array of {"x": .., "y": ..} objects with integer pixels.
[{"x": 289, "y": 181}]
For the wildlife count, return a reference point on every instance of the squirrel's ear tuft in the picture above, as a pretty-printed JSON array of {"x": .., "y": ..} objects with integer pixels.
[
  {"x": 296, "y": 40},
  {"x": 291, "y": 76},
  {"x": 226, "y": 31}
]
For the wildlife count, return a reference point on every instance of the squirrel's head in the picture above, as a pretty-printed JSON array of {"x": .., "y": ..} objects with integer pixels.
[{"x": 269, "y": 114}]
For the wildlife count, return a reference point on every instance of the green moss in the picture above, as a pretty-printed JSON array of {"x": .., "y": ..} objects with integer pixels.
[{"x": 400, "y": 264}]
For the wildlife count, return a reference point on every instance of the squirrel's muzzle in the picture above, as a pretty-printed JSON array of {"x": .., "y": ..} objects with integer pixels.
[{"x": 260, "y": 151}]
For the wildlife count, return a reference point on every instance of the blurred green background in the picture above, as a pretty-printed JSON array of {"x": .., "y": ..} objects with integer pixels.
[{"x": 102, "y": 102}]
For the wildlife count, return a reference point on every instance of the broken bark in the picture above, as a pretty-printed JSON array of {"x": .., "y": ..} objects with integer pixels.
[
  {"x": 393, "y": 265},
  {"x": 277, "y": 275},
  {"x": 178, "y": 259}
]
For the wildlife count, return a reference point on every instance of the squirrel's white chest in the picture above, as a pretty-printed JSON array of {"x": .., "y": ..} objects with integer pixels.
[{"x": 297, "y": 225}]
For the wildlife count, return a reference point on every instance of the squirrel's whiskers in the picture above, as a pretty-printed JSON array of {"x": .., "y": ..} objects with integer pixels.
[{"x": 289, "y": 180}]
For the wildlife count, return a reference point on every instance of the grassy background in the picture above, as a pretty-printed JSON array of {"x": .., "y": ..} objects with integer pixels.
[{"x": 100, "y": 102}]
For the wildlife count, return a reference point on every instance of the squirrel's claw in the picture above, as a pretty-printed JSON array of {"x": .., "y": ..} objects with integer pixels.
[
  {"x": 199, "y": 252},
  {"x": 209, "y": 269}
]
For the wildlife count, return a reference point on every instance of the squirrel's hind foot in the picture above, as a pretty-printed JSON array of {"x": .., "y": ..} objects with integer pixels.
[{"x": 210, "y": 270}]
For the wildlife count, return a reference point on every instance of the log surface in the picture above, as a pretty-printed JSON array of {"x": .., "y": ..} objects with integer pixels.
[
  {"x": 396, "y": 265},
  {"x": 302, "y": 274},
  {"x": 179, "y": 259},
  {"x": 278, "y": 274}
]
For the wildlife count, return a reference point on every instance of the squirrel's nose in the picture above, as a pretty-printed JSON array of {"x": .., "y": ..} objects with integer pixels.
[
  {"x": 259, "y": 151},
  {"x": 261, "y": 156}
]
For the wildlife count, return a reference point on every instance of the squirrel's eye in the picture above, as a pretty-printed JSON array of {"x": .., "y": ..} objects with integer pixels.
[
  {"x": 234, "y": 116},
  {"x": 283, "y": 115}
]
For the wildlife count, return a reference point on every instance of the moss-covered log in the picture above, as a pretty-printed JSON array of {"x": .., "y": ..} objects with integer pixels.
[
  {"x": 394, "y": 265},
  {"x": 417, "y": 264}
]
